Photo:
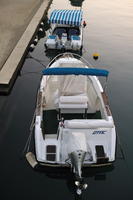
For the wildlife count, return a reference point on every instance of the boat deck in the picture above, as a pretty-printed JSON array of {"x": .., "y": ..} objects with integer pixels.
[
  {"x": 70, "y": 116},
  {"x": 68, "y": 30},
  {"x": 51, "y": 119}
]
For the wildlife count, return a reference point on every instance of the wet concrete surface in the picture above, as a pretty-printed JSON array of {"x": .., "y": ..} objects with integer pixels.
[{"x": 15, "y": 15}]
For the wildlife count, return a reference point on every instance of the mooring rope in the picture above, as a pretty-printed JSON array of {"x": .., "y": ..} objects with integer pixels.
[
  {"x": 28, "y": 142},
  {"x": 36, "y": 59},
  {"x": 121, "y": 149}
]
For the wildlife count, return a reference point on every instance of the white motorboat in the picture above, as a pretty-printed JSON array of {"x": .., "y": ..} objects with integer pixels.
[
  {"x": 66, "y": 30},
  {"x": 73, "y": 123}
]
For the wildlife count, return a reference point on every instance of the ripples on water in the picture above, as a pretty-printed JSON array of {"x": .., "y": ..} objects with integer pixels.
[{"x": 109, "y": 32}]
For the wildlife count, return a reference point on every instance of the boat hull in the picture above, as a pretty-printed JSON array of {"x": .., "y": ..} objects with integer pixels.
[
  {"x": 31, "y": 158},
  {"x": 74, "y": 127}
]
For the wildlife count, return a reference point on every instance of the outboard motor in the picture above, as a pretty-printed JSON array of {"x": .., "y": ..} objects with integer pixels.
[
  {"x": 77, "y": 159},
  {"x": 78, "y": 149}
]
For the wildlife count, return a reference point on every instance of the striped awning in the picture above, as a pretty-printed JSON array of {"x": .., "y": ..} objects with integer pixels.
[{"x": 69, "y": 17}]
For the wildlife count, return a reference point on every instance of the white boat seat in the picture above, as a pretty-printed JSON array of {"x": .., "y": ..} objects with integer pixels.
[
  {"x": 73, "y": 99},
  {"x": 73, "y": 102},
  {"x": 88, "y": 124},
  {"x": 52, "y": 37},
  {"x": 73, "y": 106},
  {"x": 75, "y": 37}
]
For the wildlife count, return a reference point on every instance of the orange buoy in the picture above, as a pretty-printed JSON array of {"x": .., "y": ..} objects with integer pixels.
[{"x": 96, "y": 56}]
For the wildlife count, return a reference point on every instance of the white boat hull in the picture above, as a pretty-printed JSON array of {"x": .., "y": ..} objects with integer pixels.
[{"x": 53, "y": 147}]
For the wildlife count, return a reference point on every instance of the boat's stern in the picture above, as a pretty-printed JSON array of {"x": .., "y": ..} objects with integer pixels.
[
  {"x": 99, "y": 140},
  {"x": 51, "y": 42}
]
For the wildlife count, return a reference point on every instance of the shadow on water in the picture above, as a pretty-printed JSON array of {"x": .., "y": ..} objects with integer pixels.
[
  {"x": 67, "y": 175},
  {"x": 46, "y": 23},
  {"x": 52, "y": 54}
]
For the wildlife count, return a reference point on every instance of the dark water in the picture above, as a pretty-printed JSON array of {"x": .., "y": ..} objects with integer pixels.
[{"x": 109, "y": 32}]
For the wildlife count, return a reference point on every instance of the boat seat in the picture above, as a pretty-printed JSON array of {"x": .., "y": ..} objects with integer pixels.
[
  {"x": 85, "y": 124},
  {"x": 69, "y": 100},
  {"x": 52, "y": 37},
  {"x": 75, "y": 37},
  {"x": 74, "y": 103}
]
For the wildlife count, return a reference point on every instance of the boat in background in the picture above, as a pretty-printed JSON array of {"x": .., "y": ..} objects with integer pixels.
[
  {"x": 76, "y": 3},
  {"x": 74, "y": 126},
  {"x": 66, "y": 31}
]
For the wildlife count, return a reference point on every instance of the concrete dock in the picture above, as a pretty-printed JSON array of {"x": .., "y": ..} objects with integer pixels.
[{"x": 19, "y": 21}]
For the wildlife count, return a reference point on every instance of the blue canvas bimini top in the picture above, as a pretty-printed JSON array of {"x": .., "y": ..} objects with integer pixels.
[
  {"x": 68, "y": 17},
  {"x": 75, "y": 71}
]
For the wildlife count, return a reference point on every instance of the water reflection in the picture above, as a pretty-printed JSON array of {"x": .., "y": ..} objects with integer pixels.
[
  {"x": 66, "y": 174},
  {"x": 52, "y": 54}
]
